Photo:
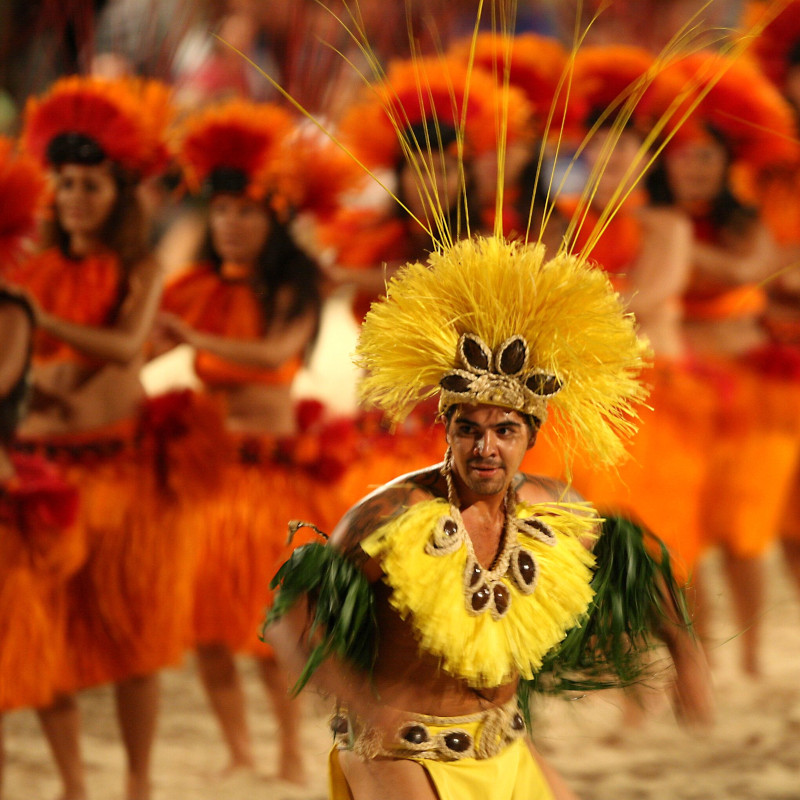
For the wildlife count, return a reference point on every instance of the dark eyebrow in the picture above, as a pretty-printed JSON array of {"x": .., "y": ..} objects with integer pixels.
[{"x": 503, "y": 424}]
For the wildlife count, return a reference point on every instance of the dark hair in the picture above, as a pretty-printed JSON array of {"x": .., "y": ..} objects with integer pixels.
[
  {"x": 125, "y": 229},
  {"x": 726, "y": 210},
  {"x": 282, "y": 264}
]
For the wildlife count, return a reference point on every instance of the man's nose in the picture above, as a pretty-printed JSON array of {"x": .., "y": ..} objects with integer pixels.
[{"x": 485, "y": 444}]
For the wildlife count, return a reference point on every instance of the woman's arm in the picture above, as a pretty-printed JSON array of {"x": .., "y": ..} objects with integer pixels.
[
  {"x": 746, "y": 257},
  {"x": 122, "y": 342},
  {"x": 663, "y": 266},
  {"x": 282, "y": 341},
  {"x": 15, "y": 334}
]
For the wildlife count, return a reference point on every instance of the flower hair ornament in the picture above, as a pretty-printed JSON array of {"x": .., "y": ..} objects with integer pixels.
[{"x": 491, "y": 321}]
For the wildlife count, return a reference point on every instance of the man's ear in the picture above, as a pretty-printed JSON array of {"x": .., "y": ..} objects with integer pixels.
[{"x": 532, "y": 440}]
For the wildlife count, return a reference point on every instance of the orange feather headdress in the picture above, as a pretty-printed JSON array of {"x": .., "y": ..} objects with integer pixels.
[
  {"x": 756, "y": 122},
  {"x": 611, "y": 76},
  {"x": 21, "y": 189},
  {"x": 256, "y": 149},
  {"x": 437, "y": 93},
  {"x": 536, "y": 65},
  {"x": 89, "y": 120},
  {"x": 778, "y": 41},
  {"x": 235, "y": 146}
]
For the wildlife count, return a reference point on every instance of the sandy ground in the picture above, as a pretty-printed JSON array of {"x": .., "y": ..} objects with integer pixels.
[{"x": 753, "y": 752}]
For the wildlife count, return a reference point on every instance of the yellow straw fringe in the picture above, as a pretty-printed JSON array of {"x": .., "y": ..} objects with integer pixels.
[
  {"x": 567, "y": 311},
  {"x": 428, "y": 591}
]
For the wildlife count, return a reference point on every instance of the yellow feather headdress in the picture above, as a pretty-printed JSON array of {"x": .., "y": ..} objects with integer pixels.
[{"x": 491, "y": 321}]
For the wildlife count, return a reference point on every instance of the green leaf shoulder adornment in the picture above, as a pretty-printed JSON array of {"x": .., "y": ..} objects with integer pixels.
[{"x": 342, "y": 619}]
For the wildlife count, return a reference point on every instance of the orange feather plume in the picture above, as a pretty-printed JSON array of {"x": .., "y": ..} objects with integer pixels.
[
  {"x": 436, "y": 90},
  {"x": 607, "y": 75},
  {"x": 536, "y": 65},
  {"x": 236, "y": 135},
  {"x": 778, "y": 38},
  {"x": 109, "y": 112},
  {"x": 317, "y": 173},
  {"x": 748, "y": 111},
  {"x": 21, "y": 190}
]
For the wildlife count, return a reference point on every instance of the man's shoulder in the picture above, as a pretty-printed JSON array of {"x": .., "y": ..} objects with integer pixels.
[
  {"x": 386, "y": 503},
  {"x": 544, "y": 489}
]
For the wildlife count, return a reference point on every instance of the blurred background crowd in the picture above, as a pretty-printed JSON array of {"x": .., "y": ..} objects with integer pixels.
[{"x": 185, "y": 259}]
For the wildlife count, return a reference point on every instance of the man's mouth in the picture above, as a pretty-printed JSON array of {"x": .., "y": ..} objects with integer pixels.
[{"x": 485, "y": 468}]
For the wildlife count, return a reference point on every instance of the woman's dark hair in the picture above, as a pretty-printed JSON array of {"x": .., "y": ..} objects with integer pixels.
[
  {"x": 726, "y": 210},
  {"x": 282, "y": 264},
  {"x": 464, "y": 213},
  {"x": 125, "y": 229}
]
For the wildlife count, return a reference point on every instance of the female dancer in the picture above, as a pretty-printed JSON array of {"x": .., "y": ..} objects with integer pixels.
[
  {"x": 39, "y": 543},
  {"x": 731, "y": 255},
  {"x": 95, "y": 292},
  {"x": 250, "y": 307}
]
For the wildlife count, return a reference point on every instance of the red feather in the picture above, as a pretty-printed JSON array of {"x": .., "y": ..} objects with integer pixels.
[
  {"x": 114, "y": 113},
  {"x": 21, "y": 190}
]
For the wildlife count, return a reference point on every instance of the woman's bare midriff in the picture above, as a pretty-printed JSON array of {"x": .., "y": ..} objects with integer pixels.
[
  {"x": 727, "y": 337},
  {"x": 259, "y": 409},
  {"x": 662, "y": 329},
  {"x": 69, "y": 397}
]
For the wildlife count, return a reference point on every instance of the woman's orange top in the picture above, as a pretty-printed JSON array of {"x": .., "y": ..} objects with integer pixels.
[
  {"x": 364, "y": 239},
  {"x": 711, "y": 301},
  {"x": 86, "y": 291},
  {"x": 230, "y": 309},
  {"x": 618, "y": 247}
]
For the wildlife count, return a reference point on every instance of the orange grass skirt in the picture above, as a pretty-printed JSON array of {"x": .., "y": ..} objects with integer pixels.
[
  {"x": 33, "y": 618},
  {"x": 752, "y": 460},
  {"x": 661, "y": 484},
  {"x": 383, "y": 454},
  {"x": 241, "y": 532},
  {"x": 128, "y": 607}
]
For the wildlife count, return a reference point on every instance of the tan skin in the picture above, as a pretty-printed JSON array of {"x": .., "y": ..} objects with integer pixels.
[
  {"x": 696, "y": 174},
  {"x": 660, "y": 273},
  {"x": 239, "y": 230},
  {"x": 75, "y": 397},
  {"x": 15, "y": 334}
]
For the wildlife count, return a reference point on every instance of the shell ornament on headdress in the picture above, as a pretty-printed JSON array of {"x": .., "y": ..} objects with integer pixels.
[{"x": 491, "y": 321}]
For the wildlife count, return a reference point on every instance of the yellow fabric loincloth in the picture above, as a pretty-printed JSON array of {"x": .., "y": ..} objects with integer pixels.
[{"x": 513, "y": 774}]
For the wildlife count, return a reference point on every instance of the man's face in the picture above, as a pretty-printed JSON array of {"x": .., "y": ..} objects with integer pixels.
[{"x": 488, "y": 444}]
